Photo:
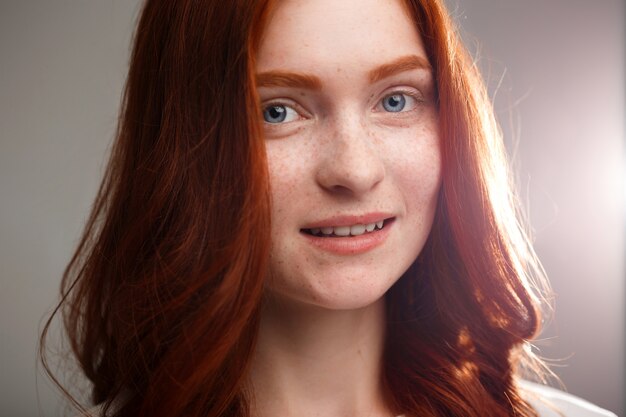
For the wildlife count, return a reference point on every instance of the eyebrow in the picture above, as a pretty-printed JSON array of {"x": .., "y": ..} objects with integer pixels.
[
  {"x": 311, "y": 82},
  {"x": 402, "y": 64},
  {"x": 288, "y": 79}
]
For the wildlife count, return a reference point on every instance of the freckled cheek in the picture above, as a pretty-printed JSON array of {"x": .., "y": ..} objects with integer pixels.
[
  {"x": 416, "y": 168},
  {"x": 282, "y": 186},
  {"x": 288, "y": 169}
]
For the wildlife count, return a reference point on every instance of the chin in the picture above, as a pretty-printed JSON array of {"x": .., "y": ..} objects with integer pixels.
[{"x": 347, "y": 291}]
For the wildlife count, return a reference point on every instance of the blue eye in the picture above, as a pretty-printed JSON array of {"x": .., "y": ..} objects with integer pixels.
[
  {"x": 394, "y": 103},
  {"x": 279, "y": 113}
]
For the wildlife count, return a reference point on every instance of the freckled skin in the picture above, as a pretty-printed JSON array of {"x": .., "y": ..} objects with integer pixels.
[{"x": 343, "y": 153}]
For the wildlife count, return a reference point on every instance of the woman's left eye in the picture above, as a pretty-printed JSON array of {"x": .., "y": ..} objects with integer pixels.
[
  {"x": 398, "y": 102},
  {"x": 279, "y": 113}
]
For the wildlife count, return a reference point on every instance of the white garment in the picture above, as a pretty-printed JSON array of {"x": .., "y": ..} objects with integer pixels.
[{"x": 550, "y": 402}]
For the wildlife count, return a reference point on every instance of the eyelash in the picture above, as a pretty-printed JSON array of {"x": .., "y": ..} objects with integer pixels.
[{"x": 418, "y": 99}]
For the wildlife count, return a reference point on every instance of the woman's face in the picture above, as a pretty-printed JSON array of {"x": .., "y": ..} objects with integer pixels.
[{"x": 352, "y": 144}]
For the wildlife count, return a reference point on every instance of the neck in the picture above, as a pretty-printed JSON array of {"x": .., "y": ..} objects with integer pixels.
[{"x": 312, "y": 361}]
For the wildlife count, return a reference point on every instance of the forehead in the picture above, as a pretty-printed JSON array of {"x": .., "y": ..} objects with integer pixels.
[{"x": 327, "y": 33}]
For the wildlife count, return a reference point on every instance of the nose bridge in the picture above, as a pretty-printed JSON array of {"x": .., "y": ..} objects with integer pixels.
[{"x": 352, "y": 163}]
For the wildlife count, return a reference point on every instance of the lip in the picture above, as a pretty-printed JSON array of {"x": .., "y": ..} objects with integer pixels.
[
  {"x": 349, "y": 220},
  {"x": 350, "y": 245}
]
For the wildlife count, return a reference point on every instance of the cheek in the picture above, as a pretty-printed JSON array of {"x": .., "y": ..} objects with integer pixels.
[
  {"x": 414, "y": 158},
  {"x": 416, "y": 168},
  {"x": 291, "y": 164},
  {"x": 288, "y": 170},
  {"x": 284, "y": 169},
  {"x": 423, "y": 178}
]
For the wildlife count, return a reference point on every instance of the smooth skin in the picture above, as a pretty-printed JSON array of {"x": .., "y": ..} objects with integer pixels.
[{"x": 351, "y": 130}]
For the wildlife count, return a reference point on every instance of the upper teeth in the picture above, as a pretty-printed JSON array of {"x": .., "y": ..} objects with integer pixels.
[{"x": 356, "y": 230}]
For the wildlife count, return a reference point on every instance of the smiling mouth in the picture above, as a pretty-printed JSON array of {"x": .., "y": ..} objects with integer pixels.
[{"x": 347, "y": 231}]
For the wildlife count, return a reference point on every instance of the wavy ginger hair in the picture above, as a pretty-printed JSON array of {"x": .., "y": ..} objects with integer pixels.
[{"x": 161, "y": 300}]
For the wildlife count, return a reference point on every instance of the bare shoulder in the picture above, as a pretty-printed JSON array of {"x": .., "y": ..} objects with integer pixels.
[{"x": 551, "y": 402}]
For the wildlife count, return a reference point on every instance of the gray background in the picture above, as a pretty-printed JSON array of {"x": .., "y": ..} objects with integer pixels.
[{"x": 556, "y": 72}]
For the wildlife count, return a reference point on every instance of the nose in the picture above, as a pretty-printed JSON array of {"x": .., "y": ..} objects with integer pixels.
[{"x": 350, "y": 163}]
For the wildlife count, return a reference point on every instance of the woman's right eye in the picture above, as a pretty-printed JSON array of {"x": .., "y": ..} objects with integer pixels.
[{"x": 279, "y": 113}]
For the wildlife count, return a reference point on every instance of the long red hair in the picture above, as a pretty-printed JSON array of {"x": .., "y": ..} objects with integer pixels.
[{"x": 161, "y": 300}]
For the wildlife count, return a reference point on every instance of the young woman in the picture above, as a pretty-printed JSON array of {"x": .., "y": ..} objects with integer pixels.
[{"x": 306, "y": 213}]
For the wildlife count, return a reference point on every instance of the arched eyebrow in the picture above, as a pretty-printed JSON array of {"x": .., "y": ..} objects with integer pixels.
[
  {"x": 402, "y": 64},
  {"x": 311, "y": 82},
  {"x": 288, "y": 79}
]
